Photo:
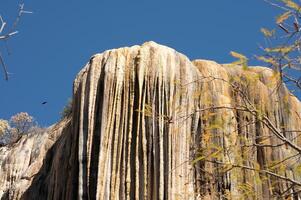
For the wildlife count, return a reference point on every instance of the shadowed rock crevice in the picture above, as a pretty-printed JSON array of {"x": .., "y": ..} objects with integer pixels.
[
  {"x": 96, "y": 138},
  {"x": 46, "y": 182}
]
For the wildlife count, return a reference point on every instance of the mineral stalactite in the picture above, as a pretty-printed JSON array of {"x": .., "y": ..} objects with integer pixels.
[{"x": 148, "y": 123}]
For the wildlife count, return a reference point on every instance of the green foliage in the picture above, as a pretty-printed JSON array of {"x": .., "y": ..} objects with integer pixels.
[
  {"x": 282, "y": 53},
  {"x": 247, "y": 191},
  {"x": 267, "y": 33},
  {"x": 298, "y": 169},
  {"x": 291, "y": 4},
  {"x": 268, "y": 60},
  {"x": 242, "y": 59},
  {"x": 284, "y": 16},
  {"x": 211, "y": 151},
  {"x": 282, "y": 50},
  {"x": 67, "y": 110}
]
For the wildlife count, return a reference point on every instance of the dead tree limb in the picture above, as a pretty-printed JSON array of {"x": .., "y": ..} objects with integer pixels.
[{"x": 8, "y": 32}]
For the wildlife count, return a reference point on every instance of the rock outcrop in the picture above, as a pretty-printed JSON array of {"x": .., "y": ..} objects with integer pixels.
[{"x": 148, "y": 123}]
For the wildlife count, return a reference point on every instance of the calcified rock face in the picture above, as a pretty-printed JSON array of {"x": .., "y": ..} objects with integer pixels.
[{"x": 148, "y": 123}]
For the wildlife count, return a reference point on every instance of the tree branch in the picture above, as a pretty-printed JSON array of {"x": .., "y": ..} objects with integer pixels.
[
  {"x": 259, "y": 171},
  {"x": 11, "y": 32},
  {"x": 4, "y": 67}
]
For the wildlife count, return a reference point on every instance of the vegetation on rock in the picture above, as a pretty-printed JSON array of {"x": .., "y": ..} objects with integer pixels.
[
  {"x": 67, "y": 110},
  {"x": 148, "y": 123},
  {"x": 19, "y": 124}
]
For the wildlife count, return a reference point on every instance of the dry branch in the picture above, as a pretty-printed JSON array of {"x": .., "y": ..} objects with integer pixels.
[{"x": 9, "y": 33}]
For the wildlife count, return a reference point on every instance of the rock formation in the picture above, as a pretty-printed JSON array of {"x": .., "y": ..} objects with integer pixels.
[{"x": 148, "y": 123}]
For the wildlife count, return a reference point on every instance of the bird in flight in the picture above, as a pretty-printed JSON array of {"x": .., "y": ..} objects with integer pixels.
[{"x": 44, "y": 102}]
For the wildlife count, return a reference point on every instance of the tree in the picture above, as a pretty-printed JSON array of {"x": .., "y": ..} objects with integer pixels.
[
  {"x": 248, "y": 161},
  {"x": 239, "y": 144},
  {"x": 282, "y": 51},
  {"x": 282, "y": 54},
  {"x": 12, "y": 130},
  {"x": 21, "y": 122},
  {"x": 239, "y": 157},
  {"x": 8, "y": 31}
]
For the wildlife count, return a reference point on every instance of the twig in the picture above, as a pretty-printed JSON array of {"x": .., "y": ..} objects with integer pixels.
[
  {"x": 288, "y": 158},
  {"x": 12, "y": 31},
  {"x": 276, "y": 5},
  {"x": 4, "y": 67},
  {"x": 2, "y": 24},
  {"x": 260, "y": 171}
]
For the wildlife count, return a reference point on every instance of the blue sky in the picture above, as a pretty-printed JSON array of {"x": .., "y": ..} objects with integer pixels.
[{"x": 56, "y": 41}]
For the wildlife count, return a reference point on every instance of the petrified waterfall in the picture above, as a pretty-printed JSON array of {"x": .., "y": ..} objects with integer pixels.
[{"x": 148, "y": 123}]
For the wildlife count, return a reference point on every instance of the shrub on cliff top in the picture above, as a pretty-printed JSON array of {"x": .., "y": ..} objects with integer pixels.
[
  {"x": 22, "y": 122},
  {"x": 67, "y": 110},
  {"x": 19, "y": 124},
  {"x": 4, "y": 127}
]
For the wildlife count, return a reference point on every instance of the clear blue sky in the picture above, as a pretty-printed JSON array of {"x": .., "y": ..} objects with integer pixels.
[{"x": 56, "y": 41}]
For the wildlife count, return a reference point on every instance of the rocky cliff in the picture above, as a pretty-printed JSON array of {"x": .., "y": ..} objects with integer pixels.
[{"x": 148, "y": 123}]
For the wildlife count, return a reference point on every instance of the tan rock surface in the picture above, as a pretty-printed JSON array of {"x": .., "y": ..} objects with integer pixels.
[{"x": 137, "y": 126}]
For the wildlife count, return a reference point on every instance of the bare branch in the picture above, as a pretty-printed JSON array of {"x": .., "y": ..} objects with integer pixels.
[
  {"x": 284, "y": 160},
  {"x": 249, "y": 107},
  {"x": 11, "y": 32},
  {"x": 296, "y": 81},
  {"x": 2, "y": 24},
  {"x": 279, "y": 135},
  {"x": 264, "y": 145},
  {"x": 277, "y": 5},
  {"x": 4, "y": 67},
  {"x": 8, "y": 35},
  {"x": 259, "y": 171},
  {"x": 292, "y": 193}
]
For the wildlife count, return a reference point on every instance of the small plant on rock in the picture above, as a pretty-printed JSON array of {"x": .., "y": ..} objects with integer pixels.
[{"x": 67, "y": 110}]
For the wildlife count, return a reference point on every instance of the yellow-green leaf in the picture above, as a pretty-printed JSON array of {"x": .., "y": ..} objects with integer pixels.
[
  {"x": 198, "y": 159},
  {"x": 298, "y": 169},
  {"x": 242, "y": 60},
  {"x": 266, "y": 59},
  {"x": 284, "y": 16},
  {"x": 281, "y": 49},
  {"x": 291, "y": 4},
  {"x": 206, "y": 136},
  {"x": 267, "y": 33},
  {"x": 244, "y": 65},
  {"x": 238, "y": 55}
]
